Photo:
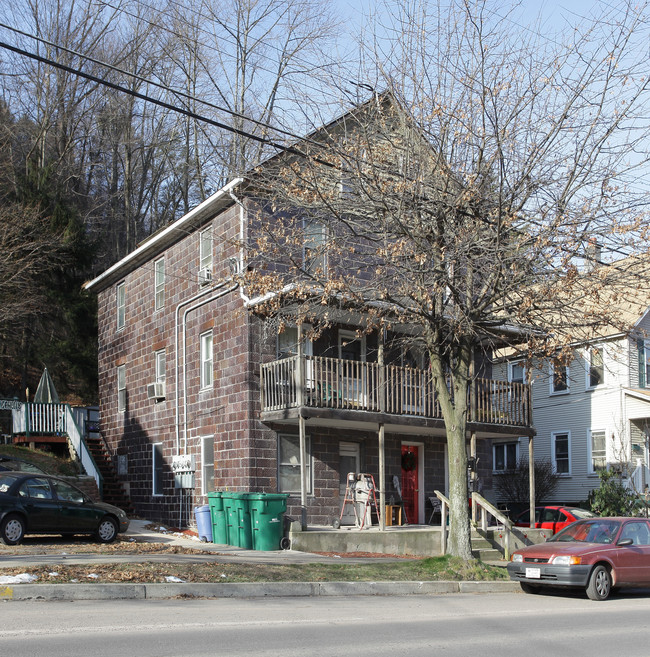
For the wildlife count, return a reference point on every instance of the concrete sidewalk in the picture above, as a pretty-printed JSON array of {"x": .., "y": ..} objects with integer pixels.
[{"x": 211, "y": 552}]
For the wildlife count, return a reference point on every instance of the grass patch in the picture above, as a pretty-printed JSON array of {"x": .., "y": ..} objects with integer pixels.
[
  {"x": 49, "y": 464},
  {"x": 430, "y": 569}
]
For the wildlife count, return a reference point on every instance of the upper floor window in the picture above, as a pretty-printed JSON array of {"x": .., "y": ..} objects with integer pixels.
[
  {"x": 160, "y": 283},
  {"x": 314, "y": 247},
  {"x": 120, "y": 301},
  {"x": 121, "y": 388},
  {"x": 206, "y": 360},
  {"x": 161, "y": 366},
  {"x": 559, "y": 378},
  {"x": 598, "y": 451},
  {"x": 644, "y": 364},
  {"x": 561, "y": 452},
  {"x": 596, "y": 371},
  {"x": 205, "y": 258},
  {"x": 517, "y": 372}
]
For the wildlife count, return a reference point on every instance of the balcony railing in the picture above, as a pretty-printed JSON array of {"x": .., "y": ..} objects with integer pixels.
[{"x": 354, "y": 385}]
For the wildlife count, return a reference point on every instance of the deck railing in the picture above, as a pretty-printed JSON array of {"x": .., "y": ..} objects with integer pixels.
[
  {"x": 354, "y": 385},
  {"x": 56, "y": 420}
]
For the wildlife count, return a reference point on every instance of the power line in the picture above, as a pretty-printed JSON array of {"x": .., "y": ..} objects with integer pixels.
[
  {"x": 151, "y": 82},
  {"x": 111, "y": 85}
]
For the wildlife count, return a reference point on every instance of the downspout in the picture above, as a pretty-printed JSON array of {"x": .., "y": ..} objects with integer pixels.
[{"x": 244, "y": 297}]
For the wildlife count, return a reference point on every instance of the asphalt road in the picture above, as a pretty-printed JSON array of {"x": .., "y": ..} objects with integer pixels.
[{"x": 461, "y": 624}]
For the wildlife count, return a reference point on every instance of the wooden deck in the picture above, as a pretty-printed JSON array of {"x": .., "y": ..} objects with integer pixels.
[{"x": 345, "y": 385}]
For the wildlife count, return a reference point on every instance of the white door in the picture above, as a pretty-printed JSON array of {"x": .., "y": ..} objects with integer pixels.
[{"x": 349, "y": 461}]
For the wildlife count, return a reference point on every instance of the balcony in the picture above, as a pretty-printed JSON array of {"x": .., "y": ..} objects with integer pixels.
[{"x": 346, "y": 385}]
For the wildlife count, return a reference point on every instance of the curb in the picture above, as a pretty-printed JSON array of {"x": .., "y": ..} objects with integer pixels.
[{"x": 50, "y": 592}]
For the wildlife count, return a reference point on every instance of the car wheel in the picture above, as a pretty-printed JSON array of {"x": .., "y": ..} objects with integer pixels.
[
  {"x": 12, "y": 530},
  {"x": 529, "y": 588},
  {"x": 600, "y": 584},
  {"x": 107, "y": 530}
]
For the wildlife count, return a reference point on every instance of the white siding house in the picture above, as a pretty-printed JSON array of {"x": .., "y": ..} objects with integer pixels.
[{"x": 592, "y": 414}]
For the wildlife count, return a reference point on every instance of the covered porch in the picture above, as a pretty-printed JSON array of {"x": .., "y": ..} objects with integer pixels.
[{"x": 395, "y": 410}]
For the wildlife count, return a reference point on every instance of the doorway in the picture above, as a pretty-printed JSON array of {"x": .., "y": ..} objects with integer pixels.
[
  {"x": 412, "y": 484},
  {"x": 349, "y": 461}
]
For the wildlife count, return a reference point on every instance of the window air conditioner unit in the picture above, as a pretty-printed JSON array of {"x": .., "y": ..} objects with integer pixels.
[
  {"x": 205, "y": 276},
  {"x": 156, "y": 390}
]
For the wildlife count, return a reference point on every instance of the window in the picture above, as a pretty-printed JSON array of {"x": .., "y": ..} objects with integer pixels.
[
  {"x": 596, "y": 373},
  {"x": 157, "y": 468},
  {"x": 67, "y": 492},
  {"x": 559, "y": 378},
  {"x": 159, "y": 267},
  {"x": 205, "y": 257},
  {"x": 598, "y": 450},
  {"x": 315, "y": 240},
  {"x": 161, "y": 366},
  {"x": 289, "y": 464},
  {"x": 206, "y": 360},
  {"x": 644, "y": 364},
  {"x": 207, "y": 464},
  {"x": 505, "y": 456},
  {"x": 120, "y": 298},
  {"x": 517, "y": 372},
  {"x": 121, "y": 388},
  {"x": 561, "y": 443}
]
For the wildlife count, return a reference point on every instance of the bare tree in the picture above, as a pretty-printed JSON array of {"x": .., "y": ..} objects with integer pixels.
[{"x": 464, "y": 203}]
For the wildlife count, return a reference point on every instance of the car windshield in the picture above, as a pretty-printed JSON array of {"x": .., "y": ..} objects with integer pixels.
[
  {"x": 6, "y": 481},
  {"x": 598, "y": 530}
]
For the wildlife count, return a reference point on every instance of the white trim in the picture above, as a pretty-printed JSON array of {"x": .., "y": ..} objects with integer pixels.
[
  {"x": 204, "y": 492},
  {"x": 165, "y": 238},
  {"x": 421, "y": 511},
  {"x": 551, "y": 373},
  {"x": 309, "y": 465},
  {"x": 554, "y": 436},
  {"x": 121, "y": 406},
  {"x": 203, "y": 361},
  {"x": 120, "y": 304},
  {"x": 505, "y": 443},
  {"x": 588, "y": 355},
  {"x": 153, "y": 469},
  {"x": 590, "y": 461}
]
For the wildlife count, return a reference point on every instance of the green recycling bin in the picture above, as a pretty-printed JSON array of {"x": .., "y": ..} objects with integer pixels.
[
  {"x": 218, "y": 516},
  {"x": 238, "y": 519},
  {"x": 267, "y": 519}
]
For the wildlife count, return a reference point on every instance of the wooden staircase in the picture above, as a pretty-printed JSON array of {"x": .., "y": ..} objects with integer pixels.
[{"x": 112, "y": 490}]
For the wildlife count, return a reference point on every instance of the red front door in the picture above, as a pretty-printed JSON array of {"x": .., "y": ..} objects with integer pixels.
[{"x": 410, "y": 488}]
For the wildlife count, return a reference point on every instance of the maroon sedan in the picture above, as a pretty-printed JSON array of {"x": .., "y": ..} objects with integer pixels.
[{"x": 595, "y": 554}]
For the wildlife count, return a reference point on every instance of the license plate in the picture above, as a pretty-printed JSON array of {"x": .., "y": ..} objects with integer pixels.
[{"x": 533, "y": 573}]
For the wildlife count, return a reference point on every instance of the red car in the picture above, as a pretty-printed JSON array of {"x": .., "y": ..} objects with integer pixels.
[
  {"x": 595, "y": 554},
  {"x": 553, "y": 518}
]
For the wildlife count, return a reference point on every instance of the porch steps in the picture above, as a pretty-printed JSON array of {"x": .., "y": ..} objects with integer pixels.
[
  {"x": 112, "y": 491},
  {"x": 485, "y": 549}
]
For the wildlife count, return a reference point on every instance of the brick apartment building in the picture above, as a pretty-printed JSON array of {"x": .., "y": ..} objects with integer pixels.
[{"x": 197, "y": 393}]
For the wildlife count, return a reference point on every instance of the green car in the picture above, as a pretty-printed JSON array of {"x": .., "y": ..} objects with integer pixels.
[{"x": 40, "y": 504}]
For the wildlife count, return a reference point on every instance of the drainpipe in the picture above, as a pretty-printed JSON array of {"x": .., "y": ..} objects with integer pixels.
[
  {"x": 211, "y": 291},
  {"x": 236, "y": 199}
]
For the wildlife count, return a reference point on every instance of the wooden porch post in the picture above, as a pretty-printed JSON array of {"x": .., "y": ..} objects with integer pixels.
[
  {"x": 382, "y": 455},
  {"x": 301, "y": 433},
  {"x": 472, "y": 453},
  {"x": 531, "y": 479}
]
